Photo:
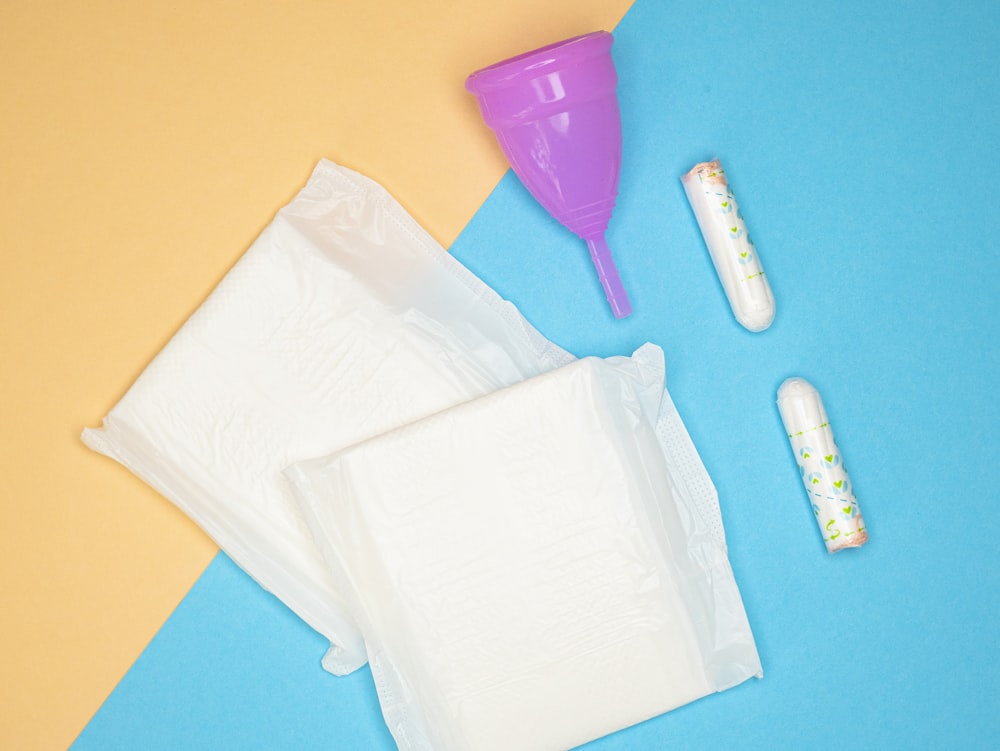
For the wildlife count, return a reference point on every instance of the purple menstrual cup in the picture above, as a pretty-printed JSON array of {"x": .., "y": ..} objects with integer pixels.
[{"x": 555, "y": 114}]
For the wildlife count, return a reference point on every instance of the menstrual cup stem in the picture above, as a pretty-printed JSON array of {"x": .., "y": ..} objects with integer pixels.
[{"x": 600, "y": 254}]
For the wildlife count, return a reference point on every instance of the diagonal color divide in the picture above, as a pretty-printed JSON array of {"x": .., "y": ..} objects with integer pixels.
[
  {"x": 842, "y": 145},
  {"x": 144, "y": 147}
]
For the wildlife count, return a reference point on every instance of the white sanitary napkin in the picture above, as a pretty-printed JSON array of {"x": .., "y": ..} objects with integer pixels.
[
  {"x": 343, "y": 321},
  {"x": 524, "y": 568}
]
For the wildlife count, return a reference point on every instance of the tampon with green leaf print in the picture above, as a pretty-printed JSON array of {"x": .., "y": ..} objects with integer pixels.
[
  {"x": 733, "y": 253},
  {"x": 821, "y": 465}
]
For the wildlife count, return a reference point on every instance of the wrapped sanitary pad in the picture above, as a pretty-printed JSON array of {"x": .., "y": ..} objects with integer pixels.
[
  {"x": 528, "y": 568},
  {"x": 343, "y": 320}
]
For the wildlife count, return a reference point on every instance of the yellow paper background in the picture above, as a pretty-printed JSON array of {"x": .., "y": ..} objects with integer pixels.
[{"x": 144, "y": 146}]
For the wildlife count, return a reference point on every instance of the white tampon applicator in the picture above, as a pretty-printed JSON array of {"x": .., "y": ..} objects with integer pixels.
[
  {"x": 821, "y": 465},
  {"x": 733, "y": 253}
]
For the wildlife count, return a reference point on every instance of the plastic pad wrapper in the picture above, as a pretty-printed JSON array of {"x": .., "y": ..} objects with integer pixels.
[
  {"x": 343, "y": 320},
  {"x": 526, "y": 570}
]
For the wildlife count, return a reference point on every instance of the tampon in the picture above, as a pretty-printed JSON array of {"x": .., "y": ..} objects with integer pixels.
[
  {"x": 733, "y": 253},
  {"x": 821, "y": 465}
]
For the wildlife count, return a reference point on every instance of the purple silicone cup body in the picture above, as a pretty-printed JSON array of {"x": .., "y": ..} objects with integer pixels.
[{"x": 555, "y": 113}]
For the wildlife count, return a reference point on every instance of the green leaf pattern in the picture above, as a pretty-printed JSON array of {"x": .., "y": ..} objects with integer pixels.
[
  {"x": 827, "y": 484},
  {"x": 729, "y": 216}
]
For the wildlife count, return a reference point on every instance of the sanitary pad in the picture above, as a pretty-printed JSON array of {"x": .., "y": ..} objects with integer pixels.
[
  {"x": 343, "y": 320},
  {"x": 527, "y": 569}
]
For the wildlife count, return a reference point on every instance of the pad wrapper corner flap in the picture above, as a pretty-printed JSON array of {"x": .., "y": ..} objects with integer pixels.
[
  {"x": 342, "y": 321},
  {"x": 523, "y": 568}
]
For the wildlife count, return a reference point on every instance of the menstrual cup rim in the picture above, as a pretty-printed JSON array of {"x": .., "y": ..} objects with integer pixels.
[{"x": 502, "y": 73}]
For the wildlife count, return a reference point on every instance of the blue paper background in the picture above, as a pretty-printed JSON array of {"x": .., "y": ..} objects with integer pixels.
[{"x": 862, "y": 142}]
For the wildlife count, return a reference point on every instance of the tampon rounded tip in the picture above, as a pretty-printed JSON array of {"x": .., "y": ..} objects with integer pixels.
[
  {"x": 795, "y": 387},
  {"x": 756, "y": 319}
]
